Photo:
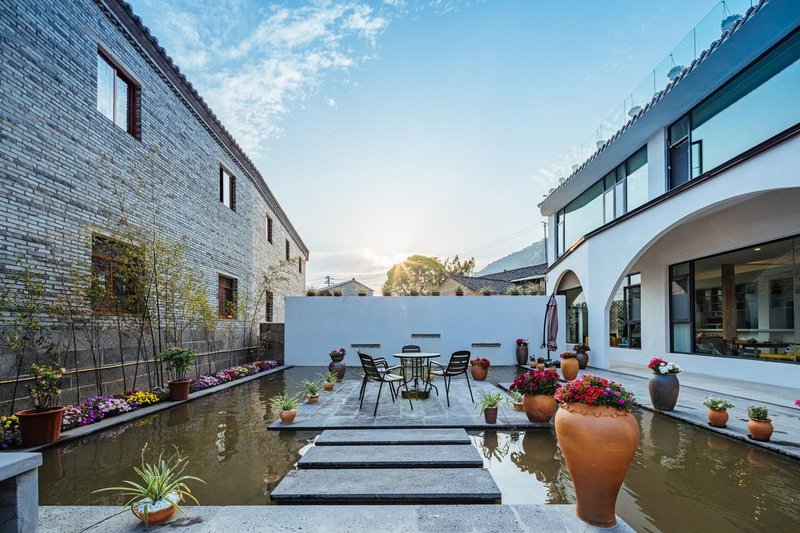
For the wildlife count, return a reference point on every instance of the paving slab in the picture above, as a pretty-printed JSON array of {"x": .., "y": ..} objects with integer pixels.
[
  {"x": 373, "y": 437},
  {"x": 330, "y": 518},
  {"x": 388, "y": 485},
  {"x": 392, "y": 456}
]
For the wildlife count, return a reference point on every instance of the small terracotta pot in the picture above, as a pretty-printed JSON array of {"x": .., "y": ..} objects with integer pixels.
[
  {"x": 328, "y": 386},
  {"x": 539, "y": 408},
  {"x": 533, "y": 364},
  {"x": 519, "y": 406},
  {"x": 759, "y": 429},
  {"x": 179, "y": 389},
  {"x": 156, "y": 517},
  {"x": 287, "y": 417},
  {"x": 569, "y": 368},
  {"x": 312, "y": 398},
  {"x": 539, "y": 366},
  {"x": 40, "y": 427},
  {"x": 583, "y": 359},
  {"x": 718, "y": 418},
  {"x": 490, "y": 415},
  {"x": 598, "y": 444},
  {"x": 522, "y": 355},
  {"x": 479, "y": 372},
  {"x": 664, "y": 389}
]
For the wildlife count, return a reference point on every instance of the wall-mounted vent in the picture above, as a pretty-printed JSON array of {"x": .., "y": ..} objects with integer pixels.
[
  {"x": 485, "y": 344},
  {"x": 365, "y": 345},
  {"x": 426, "y": 335}
]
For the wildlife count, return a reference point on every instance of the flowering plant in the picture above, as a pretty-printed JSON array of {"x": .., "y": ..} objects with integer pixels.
[
  {"x": 596, "y": 391},
  {"x": 178, "y": 361},
  {"x": 522, "y": 342},
  {"x": 203, "y": 382},
  {"x": 46, "y": 386},
  {"x": 141, "y": 398},
  {"x": 536, "y": 382},
  {"x": 568, "y": 355},
  {"x": 797, "y": 403},
  {"x": 660, "y": 366},
  {"x": 337, "y": 353},
  {"x": 757, "y": 412},
  {"x": 480, "y": 361},
  {"x": 717, "y": 404},
  {"x": 12, "y": 436},
  {"x": 581, "y": 348}
]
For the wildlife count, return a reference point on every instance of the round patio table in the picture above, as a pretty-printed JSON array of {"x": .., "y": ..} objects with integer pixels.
[{"x": 420, "y": 364}]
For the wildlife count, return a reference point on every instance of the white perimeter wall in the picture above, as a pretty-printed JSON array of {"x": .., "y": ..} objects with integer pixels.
[{"x": 316, "y": 325}]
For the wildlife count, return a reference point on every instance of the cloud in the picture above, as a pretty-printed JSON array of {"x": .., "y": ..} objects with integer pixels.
[{"x": 330, "y": 102}]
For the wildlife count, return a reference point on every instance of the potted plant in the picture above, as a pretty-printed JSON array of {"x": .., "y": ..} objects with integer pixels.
[
  {"x": 533, "y": 361},
  {"x": 489, "y": 403},
  {"x": 540, "y": 363},
  {"x": 486, "y": 291},
  {"x": 155, "y": 498},
  {"x": 569, "y": 365},
  {"x": 522, "y": 351},
  {"x": 286, "y": 406},
  {"x": 329, "y": 380},
  {"x": 538, "y": 388},
  {"x": 178, "y": 361},
  {"x": 311, "y": 292},
  {"x": 413, "y": 292},
  {"x": 42, "y": 424},
  {"x": 337, "y": 292},
  {"x": 337, "y": 365},
  {"x": 516, "y": 400},
  {"x": 759, "y": 425},
  {"x": 663, "y": 386},
  {"x": 582, "y": 354},
  {"x": 435, "y": 293},
  {"x": 459, "y": 291},
  {"x": 312, "y": 390},
  {"x": 598, "y": 435},
  {"x": 387, "y": 293},
  {"x": 717, "y": 411},
  {"x": 479, "y": 368}
]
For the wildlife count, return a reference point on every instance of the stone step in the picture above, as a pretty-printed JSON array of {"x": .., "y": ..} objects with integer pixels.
[
  {"x": 388, "y": 485},
  {"x": 371, "y": 437},
  {"x": 392, "y": 456}
]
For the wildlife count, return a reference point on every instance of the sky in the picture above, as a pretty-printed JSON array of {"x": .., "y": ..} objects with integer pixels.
[{"x": 399, "y": 127}]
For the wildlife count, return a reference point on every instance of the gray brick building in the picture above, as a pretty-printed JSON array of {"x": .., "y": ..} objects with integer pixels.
[{"x": 101, "y": 135}]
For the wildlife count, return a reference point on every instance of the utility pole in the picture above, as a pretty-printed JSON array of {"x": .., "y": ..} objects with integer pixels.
[{"x": 327, "y": 281}]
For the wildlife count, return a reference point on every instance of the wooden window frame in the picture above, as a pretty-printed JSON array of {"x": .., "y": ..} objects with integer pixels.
[
  {"x": 269, "y": 229},
  {"x": 133, "y": 96},
  {"x": 111, "y": 261},
  {"x": 222, "y": 300}
]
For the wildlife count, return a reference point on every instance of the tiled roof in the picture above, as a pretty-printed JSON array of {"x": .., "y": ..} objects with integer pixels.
[
  {"x": 477, "y": 284},
  {"x": 517, "y": 273}
]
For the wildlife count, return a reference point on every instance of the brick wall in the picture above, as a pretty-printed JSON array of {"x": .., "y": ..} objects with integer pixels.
[{"x": 66, "y": 170}]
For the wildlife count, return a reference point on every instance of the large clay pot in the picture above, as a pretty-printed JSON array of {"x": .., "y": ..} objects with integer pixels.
[
  {"x": 718, "y": 417},
  {"x": 479, "y": 372},
  {"x": 583, "y": 359},
  {"x": 539, "y": 408},
  {"x": 522, "y": 355},
  {"x": 179, "y": 389},
  {"x": 287, "y": 417},
  {"x": 758, "y": 429},
  {"x": 664, "y": 390},
  {"x": 598, "y": 444},
  {"x": 337, "y": 366},
  {"x": 490, "y": 415},
  {"x": 569, "y": 368},
  {"x": 155, "y": 517},
  {"x": 40, "y": 427}
]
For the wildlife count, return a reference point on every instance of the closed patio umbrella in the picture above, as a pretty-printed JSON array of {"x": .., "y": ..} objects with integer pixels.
[{"x": 550, "y": 330}]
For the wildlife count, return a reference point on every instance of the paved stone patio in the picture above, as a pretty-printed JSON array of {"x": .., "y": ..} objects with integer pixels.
[{"x": 340, "y": 409}]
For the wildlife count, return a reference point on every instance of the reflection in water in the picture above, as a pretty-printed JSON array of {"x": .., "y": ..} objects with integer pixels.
[{"x": 682, "y": 478}]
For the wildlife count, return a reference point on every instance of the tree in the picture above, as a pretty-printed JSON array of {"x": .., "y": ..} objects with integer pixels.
[
  {"x": 460, "y": 267},
  {"x": 418, "y": 273}
]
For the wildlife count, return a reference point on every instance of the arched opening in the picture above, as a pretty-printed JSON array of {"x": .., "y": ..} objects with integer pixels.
[{"x": 577, "y": 310}]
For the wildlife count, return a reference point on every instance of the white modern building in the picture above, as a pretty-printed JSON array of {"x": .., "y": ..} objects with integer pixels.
[{"x": 679, "y": 237}]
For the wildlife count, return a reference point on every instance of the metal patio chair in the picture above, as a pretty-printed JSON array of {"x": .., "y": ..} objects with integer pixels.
[
  {"x": 373, "y": 373},
  {"x": 458, "y": 364},
  {"x": 380, "y": 362}
]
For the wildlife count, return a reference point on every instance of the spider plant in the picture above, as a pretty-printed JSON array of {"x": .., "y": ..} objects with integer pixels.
[
  {"x": 284, "y": 402},
  {"x": 330, "y": 377},
  {"x": 490, "y": 400},
  {"x": 312, "y": 387},
  {"x": 516, "y": 397},
  {"x": 158, "y": 481}
]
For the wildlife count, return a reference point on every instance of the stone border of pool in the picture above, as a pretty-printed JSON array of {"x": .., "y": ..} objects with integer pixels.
[{"x": 84, "y": 431}]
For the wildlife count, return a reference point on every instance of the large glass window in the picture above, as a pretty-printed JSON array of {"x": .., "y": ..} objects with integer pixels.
[
  {"x": 115, "y": 95},
  {"x": 577, "y": 316},
  {"x": 583, "y": 214},
  {"x": 226, "y": 297},
  {"x": 755, "y": 105},
  {"x": 625, "y": 315},
  {"x": 114, "y": 270},
  {"x": 739, "y": 304}
]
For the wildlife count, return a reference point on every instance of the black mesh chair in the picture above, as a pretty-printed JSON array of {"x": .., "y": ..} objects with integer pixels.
[
  {"x": 411, "y": 348},
  {"x": 373, "y": 373},
  {"x": 381, "y": 363},
  {"x": 458, "y": 364}
]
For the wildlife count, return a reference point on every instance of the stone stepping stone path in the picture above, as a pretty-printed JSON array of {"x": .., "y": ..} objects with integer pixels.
[{"x": 432, "y": 466}]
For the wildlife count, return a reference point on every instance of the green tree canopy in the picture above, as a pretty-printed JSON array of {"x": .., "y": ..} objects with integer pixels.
[{"x": 424, "y": 274}]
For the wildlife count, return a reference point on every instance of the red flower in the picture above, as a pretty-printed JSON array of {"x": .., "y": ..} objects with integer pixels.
[{"x": 480, "y": 361}]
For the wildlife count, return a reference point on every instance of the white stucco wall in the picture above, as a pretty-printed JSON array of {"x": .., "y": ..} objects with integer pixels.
[{"x": 314, "y": 326}]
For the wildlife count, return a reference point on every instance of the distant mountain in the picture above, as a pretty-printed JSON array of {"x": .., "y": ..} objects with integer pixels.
[{"x": 530, "y": 255}]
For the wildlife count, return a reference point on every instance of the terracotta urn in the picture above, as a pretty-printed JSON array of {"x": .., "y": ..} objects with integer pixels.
[
  {"x": 539, "y": 408},
  {"x": 718, "y": 418},
  {"x": 337, "y": 366},
  {"x": 759, "y": 429},
  {"x": 598, "y": 444},
  {"x": 569, "y": 368},
  {"x": 313, "y": 398},
  {"x": 479, "y": 372},
  {"x": 287, "y": 417},
  {"x": 522, "y": 355},
  {"x": 40, "y": 427},
  {"x": 583, "y": 359},
  {"x": 664, "y": 389},
  {"x": 328, "y": 386},
  {"x": 156, "y": 517},
  {"x": 490, "y": 415},
  {"x": 179, "y": 389}
]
